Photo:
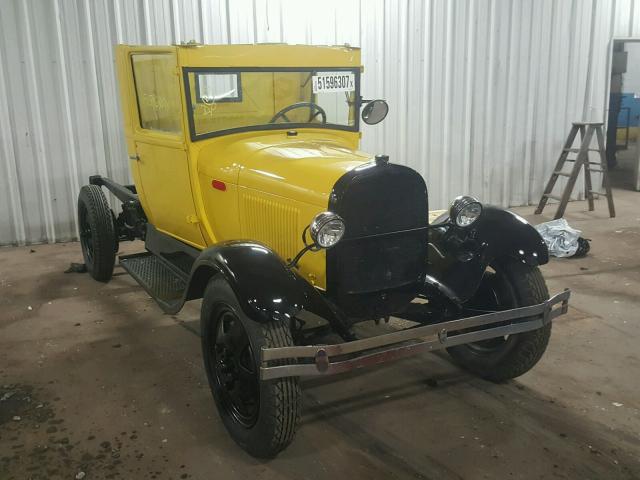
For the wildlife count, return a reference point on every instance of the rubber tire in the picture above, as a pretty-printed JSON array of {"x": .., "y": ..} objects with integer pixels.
[
  {"x": 526, "y": 349},
  {"x": 105, "y": 244},
  {"x": 280, "y": 399}
]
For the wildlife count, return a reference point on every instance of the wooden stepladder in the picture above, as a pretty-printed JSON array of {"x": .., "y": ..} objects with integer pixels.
[{"x": 587, "y": 130}]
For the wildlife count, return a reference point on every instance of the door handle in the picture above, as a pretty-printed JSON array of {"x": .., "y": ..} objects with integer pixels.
[{"x": 134, "y": 157}]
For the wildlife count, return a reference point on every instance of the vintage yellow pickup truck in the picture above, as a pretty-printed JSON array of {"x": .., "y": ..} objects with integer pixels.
[{"x": 250, "y": 192}]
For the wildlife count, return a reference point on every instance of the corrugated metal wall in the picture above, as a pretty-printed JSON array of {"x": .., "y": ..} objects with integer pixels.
[{"x": 481, "y": 91}]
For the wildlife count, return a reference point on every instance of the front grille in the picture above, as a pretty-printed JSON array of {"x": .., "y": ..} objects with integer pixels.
[
  {"x": 382, "y": 257},
  {"x": 379, "y": 263}
]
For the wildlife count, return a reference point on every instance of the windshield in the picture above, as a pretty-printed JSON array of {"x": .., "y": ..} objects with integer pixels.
[{"x": 222, "y": 101}]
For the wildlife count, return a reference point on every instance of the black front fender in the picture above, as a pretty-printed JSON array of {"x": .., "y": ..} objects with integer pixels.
[
  {"x": 263, "y": 284},
  {"x": 458, "y": 257}
]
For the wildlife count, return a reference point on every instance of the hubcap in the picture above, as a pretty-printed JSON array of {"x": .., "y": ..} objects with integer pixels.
[{"x": 235, "y": 368}]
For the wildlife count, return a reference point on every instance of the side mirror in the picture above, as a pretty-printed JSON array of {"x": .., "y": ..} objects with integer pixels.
[{"x": 375, "y": 111}]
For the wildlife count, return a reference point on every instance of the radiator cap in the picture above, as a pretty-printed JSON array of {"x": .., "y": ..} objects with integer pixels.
[{"x": 382, "y": 159}]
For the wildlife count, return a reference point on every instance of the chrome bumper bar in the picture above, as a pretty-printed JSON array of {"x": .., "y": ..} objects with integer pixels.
[{"x": 404, "y": 343}]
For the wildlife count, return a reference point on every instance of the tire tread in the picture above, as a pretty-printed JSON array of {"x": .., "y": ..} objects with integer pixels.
[
  {"x": 287, "y": 390},
  {"x": 530, "y": 289},
  {"x": 103, "y": 232}
]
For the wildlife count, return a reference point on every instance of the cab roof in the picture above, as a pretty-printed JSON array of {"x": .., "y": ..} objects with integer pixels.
[{"x": 257, "y": 55}]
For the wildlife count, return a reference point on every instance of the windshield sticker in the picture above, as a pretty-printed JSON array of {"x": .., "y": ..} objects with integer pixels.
[{"x": 334, "y": 82}]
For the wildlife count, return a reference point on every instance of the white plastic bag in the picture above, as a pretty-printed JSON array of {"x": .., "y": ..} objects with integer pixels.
[{"x": 561, "y": 239}]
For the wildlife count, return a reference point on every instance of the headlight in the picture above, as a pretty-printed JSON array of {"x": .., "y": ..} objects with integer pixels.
[
  {"x": 326, "y": 229},
  {"x": 465, "y": 210}
]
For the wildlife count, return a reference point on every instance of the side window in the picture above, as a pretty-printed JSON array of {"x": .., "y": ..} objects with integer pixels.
[
  {"x": 218, "y": 87},
  {"x": 157, "y": 91}
]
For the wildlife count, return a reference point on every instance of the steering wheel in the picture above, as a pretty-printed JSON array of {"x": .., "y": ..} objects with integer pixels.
[{"x": 314, "y": 111}]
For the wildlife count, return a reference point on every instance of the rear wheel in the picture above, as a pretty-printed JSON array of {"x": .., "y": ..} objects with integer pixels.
[
  {"x": 261, "y": 416},
  {"x": 508, "y": 284},
  {"x": 97, "y": 233}
]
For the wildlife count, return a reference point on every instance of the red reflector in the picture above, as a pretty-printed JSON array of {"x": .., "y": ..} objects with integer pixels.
[{"x": 218, "y": 185}]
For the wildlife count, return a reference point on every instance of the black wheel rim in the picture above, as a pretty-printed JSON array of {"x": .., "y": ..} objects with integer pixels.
[
  {"x": 86, "y": 238},
  {"x": 234, "y": 366},
  {"x": 495, "y": 293}
]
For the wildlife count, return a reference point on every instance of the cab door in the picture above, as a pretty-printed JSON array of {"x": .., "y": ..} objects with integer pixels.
[{"x": 160, "y": 162}]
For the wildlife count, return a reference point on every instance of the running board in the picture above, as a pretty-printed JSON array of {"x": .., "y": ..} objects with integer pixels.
[
  {"x": 330, "y": 359},
  {"x": 165, "y": 283}
]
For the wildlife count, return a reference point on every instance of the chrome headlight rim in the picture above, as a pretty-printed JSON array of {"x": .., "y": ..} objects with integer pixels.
[
  {"x": 463, "y": 208},
  {"x": 323, "y": 221}
]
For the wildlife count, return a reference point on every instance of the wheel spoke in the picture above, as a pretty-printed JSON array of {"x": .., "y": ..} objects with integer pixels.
[
  {"x": 235, "y": 393},
  {"x": 86, "y": 239},
  {"x": 492, "y": 295},
  {"x": 235, "y": 368},
  {"x": 238, "y": 338},
  {"x": 223, "y": 336}
]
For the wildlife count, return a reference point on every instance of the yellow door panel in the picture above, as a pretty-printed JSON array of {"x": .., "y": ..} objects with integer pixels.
[{"x": 164, "y": 172}]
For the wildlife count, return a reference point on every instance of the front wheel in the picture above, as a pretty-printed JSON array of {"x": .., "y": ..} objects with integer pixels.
[
  {"x": 261, "y": 416},
  {"x": 507, "y": 284}
]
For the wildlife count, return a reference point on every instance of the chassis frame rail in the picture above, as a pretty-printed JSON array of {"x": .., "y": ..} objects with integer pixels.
[{"x": 411, "y": 341}]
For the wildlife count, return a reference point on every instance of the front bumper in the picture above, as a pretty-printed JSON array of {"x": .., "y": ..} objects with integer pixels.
[{"x": 320, "y": 359}]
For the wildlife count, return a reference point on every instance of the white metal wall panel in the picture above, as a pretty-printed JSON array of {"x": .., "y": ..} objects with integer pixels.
[{"x": 482, "y": 92}]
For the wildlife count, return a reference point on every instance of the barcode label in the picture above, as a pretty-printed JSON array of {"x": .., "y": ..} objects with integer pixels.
[{"x": 334, "y": 82}]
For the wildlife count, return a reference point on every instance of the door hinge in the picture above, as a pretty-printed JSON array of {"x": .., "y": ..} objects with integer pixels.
[{"x": 193, "y": 219}]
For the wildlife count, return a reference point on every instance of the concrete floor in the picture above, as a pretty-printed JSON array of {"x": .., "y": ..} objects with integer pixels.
[{"x": 95, "y": 379}]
